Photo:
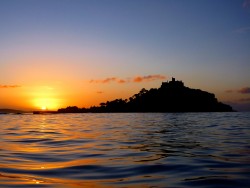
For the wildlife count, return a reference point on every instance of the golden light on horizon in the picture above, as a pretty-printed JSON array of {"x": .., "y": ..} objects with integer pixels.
[
  {"x": 46, "y": 103},
  {"x": 43, "y": 108},
  {"x": 45, "y": 97}
]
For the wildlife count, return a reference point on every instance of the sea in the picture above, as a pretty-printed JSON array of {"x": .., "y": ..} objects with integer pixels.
[{"x": 125, "y": 150}]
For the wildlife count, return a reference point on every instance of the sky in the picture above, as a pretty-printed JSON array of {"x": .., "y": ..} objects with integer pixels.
[{"x": 59, "y": 53}]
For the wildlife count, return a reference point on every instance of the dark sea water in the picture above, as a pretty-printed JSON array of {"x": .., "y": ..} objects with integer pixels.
[{"x": 125, "y": 150}]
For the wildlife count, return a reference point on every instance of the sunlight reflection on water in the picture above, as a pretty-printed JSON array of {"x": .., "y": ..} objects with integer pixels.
[{"x": 125, "y": 150}]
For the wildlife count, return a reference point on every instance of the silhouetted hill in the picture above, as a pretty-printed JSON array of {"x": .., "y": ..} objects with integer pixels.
[{"x": 172, "y": 96}]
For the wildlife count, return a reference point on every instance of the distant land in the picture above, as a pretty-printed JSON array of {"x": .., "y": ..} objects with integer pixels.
[
  {"x": 10, "y": 111},
  {"x": 172, "y": 96}
]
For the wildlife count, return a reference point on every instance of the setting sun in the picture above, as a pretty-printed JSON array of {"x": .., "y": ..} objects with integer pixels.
[
  {"x": 46, "y": 103},
  {"x": 44, "y": 108}
]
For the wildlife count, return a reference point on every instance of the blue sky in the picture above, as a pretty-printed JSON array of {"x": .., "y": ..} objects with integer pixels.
[{"x": 202, "y": 42}]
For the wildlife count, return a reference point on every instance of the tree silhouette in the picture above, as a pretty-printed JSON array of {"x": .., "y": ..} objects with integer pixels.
[{"x": 172, "y": 96}]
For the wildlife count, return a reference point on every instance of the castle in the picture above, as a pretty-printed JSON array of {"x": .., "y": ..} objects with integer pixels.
[{"x": 172, "y": 83}]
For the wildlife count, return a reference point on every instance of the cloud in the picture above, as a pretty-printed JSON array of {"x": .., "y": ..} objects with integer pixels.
[
  {"x": 243, "y": 30},
  {"x": 246, "y": 4},
  {"x": 136, "y": 79},
  {"x": 9, "y": 86},
  {"x": 149, "y": 78},
  {"x": 106, "y": 80},
  {"x": 99, "y": 92},
  {"x": 229, "y": 91},
  {"x": 245, "y": 99},
  {"x": 121, "y": 81},
  {"x": 245, "y": 90}
]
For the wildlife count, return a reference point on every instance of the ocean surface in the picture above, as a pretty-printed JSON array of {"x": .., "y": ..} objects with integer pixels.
[{"x": 125, "y": 150}]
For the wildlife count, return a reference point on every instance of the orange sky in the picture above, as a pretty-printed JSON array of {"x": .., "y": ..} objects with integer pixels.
[{"x": 54, "y": 93}]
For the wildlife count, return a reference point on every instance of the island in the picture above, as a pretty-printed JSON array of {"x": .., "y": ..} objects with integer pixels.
[
  {"x": 172, "y": 96},
  {"x": 11, "y": 111}
]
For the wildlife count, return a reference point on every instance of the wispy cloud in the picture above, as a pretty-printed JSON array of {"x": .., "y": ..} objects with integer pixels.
[
  {"x": 99, "y": 92},
  {"x": 149, "y": 78},
  {"x": 136, "y": 79},
  {"x": 9, "y": 86},
  {"x": 121, "y": 81},
  {"x": 106, "y": 80},
  {"x": 245, "y": 99},
  {"x": 245, "y": 90},
  {"x": 229, "y": 91}
]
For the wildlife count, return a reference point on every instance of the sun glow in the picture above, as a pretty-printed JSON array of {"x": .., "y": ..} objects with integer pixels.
[
  {"x": 46, "y": 103},
  {"x": 43, "y": 108},
  {"x": 46, "y": 97}
]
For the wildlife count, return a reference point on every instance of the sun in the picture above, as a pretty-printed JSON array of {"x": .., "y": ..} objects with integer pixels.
[
  {"x": 46, "y": 103},
  {"x": 44, "y": 108}
]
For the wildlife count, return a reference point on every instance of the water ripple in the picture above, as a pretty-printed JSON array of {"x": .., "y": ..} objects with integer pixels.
[{"x": 125, "y": 150}]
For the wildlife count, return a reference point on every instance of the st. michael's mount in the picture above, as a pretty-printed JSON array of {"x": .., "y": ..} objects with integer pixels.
[{"x": 172, "y": 96}]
